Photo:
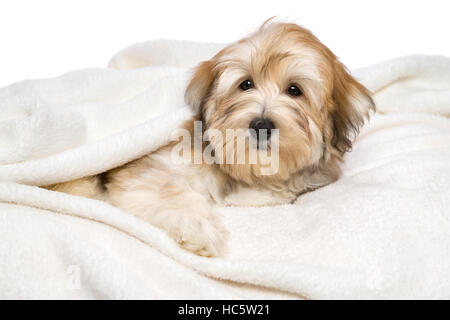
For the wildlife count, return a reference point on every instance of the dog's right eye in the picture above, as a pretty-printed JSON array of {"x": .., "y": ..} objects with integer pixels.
[{"x": 245, "y": 85}]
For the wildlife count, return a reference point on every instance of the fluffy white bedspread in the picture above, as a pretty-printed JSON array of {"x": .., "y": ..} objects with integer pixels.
[{"x": 381, "y": 231}]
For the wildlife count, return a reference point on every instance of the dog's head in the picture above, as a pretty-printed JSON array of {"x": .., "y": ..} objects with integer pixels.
[{"x": 281, "y": 77}]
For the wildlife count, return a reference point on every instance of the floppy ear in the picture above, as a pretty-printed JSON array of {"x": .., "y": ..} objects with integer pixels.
[
  {"x": 200, "y": 85},
  {"x": 352, "y": 105}
]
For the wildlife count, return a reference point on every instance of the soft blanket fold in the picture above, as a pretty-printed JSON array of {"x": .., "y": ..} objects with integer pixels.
[{"x": 381, "y": 231}]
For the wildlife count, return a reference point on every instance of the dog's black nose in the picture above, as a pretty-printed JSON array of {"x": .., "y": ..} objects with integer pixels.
[{"x": 261, "y": 124}]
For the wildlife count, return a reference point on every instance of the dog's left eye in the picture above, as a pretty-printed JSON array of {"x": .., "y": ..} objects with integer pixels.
[
  {"x": 246, "y": 85},
  {"x": 294, "y": 91}
]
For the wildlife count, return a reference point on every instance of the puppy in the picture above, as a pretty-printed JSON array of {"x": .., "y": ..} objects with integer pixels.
[{"x": 282, "y": 91}]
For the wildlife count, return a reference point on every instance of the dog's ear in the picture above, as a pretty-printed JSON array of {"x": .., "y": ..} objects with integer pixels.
[
  {"x": 352, "y": 105},
  {"x": 200, "y": 85}
]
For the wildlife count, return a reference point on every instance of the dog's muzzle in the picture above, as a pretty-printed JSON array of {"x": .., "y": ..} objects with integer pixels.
[{"x": 261, "y": 128}]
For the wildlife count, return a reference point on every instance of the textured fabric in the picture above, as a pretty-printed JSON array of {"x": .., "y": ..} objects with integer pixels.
[{"x": 381, "y": 231}]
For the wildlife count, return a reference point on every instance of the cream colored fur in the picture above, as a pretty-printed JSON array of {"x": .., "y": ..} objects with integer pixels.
[
  {"x": 315, "y": 130},
  {"x": 380, "y": 232}
]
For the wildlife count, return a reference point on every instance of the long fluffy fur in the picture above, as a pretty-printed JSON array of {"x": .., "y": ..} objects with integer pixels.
[{"x": 315, "y": 130}]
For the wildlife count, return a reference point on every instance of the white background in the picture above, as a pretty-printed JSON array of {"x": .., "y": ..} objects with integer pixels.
[{"x": 44, "y": 38}]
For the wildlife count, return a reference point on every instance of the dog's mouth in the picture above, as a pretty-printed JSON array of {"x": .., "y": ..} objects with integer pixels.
[{"x": 260, "y": 141}]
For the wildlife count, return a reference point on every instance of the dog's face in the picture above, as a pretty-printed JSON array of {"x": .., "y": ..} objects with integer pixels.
[{"x": 284, "y": 78}]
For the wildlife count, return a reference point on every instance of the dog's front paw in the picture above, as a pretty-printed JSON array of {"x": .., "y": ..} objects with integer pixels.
[{"x": 196, "y": 233}]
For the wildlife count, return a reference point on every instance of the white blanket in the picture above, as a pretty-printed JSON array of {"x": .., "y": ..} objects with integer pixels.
[{"x": 381, "y": 231}]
